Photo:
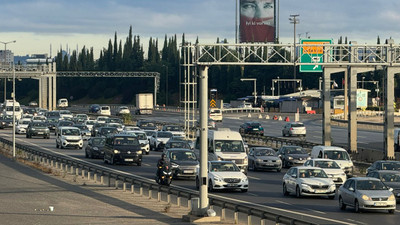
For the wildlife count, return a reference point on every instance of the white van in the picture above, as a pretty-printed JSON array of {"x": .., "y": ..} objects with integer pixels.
[
  {"x": 8, "y": 109},
  {"x": 338, "y": 154},
  {"x": 62, "y": 103},
  {"x": 69, "y": 137},
  {"x": 226, "y": 145},
  {"x": 105, "y": 110},
  {"x": 215, "y": 114}
]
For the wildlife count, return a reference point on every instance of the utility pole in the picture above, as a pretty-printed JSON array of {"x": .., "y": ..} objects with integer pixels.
[{"x": 294, "y": 21}]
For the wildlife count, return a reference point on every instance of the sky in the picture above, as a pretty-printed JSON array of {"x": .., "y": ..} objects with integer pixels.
[{"x": 37, "y": 24}]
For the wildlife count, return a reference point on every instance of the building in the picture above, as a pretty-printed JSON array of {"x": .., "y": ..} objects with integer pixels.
[{"x": 6, "y": 57}]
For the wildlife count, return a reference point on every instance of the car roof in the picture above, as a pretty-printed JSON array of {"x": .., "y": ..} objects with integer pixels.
[
  {"x": 68, "y": 127},
  {"x": 180, "y": 149},
  {"x": 363, "y": 178},
  {"x": 388, "y": 171},
  {"x": 307, "y": 167},
  {"x": 327, "y": 160}
]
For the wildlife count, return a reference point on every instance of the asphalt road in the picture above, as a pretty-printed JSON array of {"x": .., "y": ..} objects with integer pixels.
[{"x": 265, "y": 187}]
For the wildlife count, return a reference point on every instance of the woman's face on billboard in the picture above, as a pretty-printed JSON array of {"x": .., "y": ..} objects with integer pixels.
[{"x": 261, "y": 9}]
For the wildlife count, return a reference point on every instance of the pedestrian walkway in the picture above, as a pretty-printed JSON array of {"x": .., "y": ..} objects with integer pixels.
[{"x": 30, "y": 196}]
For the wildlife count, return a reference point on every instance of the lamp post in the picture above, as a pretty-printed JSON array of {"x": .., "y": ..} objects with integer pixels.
[
  {"x": 294, "y": 21},
  {"x": 13, "y": 97},
  {"x": 5, "y": 62},
  {"x": 255, "y": 87},
  {"x": 166, "y": 85}
]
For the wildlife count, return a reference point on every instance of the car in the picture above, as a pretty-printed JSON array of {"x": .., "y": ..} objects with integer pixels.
[
  {"x": 143, "y": 140},
  {"x": 225, "y": 175},
  {"x": 149, "y": 134},
  {"x": 159, "y": 139},
  {"x": 53, "y": 114},
  {"x": 105, "y": 131},
  {"x": 330, "y": 167},
  {"x": 66, "y": 114},
  {"x": 227, "y": 106},
  {"x": 246, "y": 105},
  {"x": 308, "y": 181},
  {"x": 264, "y": 158},
  {"x": 114, "y": 120},
  {"x": 89, "y": 123},
  {"x": 118, "y": 126},
  {"x": 62, "y": 103},
  {"x": 95, "y": 147},
  {"x": 180, "y": 138},
  {"x": 39, "y": 118},
  {"x": 211, "y": 123},
  {"x": 146, "y": 125},
  {"x": 338, "y": 154},
  {"x": 391, "y": 178},
  {"x": 122, "y": 148},
  {"x": 292, "y": 155},
  {"x": 176, "y": 130},
  {"x": 96, "y": 127},
  {"x": 94, "y": 108},
  {"x": 215, "y": 114},
  {"x": 52, "y": 122},
  {"x": 6, "y": 121},
  {"x": 33, "y": 104},
  {"x": 68, "y": 137},
  {"x": 184, "y": 163},
  {"x": 102, "y": 119},
  {"x": 176, "y": 144},
  {"x": 37, "y": 128},
  {"x": 251, "y": 128},
  {"x": 80, "y": 118},
  {"x": 29, "y": 111},
  {"x": 105, "y": 110},
  {"x": 294, "y": 128},
  {"x": 22, "y": 125},
  {"x": 384, "y": 165},
  {"x": 63, "y": 123},
  {"x": 366, "y": 193},
  {"x": 123, "y": 110},
  {"x": 84, "y": 131},
  {"x": 132, "y": 128}
]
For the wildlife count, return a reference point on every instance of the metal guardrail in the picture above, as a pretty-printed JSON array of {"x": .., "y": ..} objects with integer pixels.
[{"x": 77, "y": 167}]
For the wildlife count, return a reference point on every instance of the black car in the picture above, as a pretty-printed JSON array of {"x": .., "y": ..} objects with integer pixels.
[
  {"x": 6, "y": 121},
  {"x": 384, "y": 165},
  {"x": 38, "y": 129},
  {"x": 96, "y": 128},
  {"x": 122, "y": 148},
  {"x": 52, "y": 122},
  {"x": 180, "y": 144},
  {"x": 105, "y": 131},
  {"x": 95, "y": 147},
  {"x": 293, "y": 155},
  {"x": 53, "y": 114},
  {"x": 251, "y": 128},
  {"x": 184, "y": 163},
  {"x": 114, "y": 120},
  {"x": 146, "y": 125},
  {"x": 94, "y": 108}
]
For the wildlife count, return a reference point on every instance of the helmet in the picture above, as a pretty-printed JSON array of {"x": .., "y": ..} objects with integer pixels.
[{"x": 163, "y": 155}]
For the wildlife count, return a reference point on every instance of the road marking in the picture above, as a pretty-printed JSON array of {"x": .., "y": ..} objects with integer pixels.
[
  {"x": 252, "y": 194},
  {"x": 146, "y": 164},
  {"x": 254, "y": 178},
  {"x": 357, "y": 222},
  {"x": 286, "y": 203}
]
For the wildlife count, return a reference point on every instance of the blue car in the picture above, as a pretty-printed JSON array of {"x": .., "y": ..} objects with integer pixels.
[{"x": 94, "y": 108}]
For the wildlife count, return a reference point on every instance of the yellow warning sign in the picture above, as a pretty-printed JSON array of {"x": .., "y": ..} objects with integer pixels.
[{"x": 213, "y": 103}]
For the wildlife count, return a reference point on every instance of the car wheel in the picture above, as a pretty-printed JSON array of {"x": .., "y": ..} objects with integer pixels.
[
  {"x": 342, "y": 206},
  {"x": 391, "y": 211},
  {"x": 57, "y": 146},
  {"x": 147, "y": 153},
  {"x": 283, "y": 134},
  {"x": 104, "y": 159},
  {"x": 298, "y": 192},
  {"x": 210, "y": 186},
  {"x": 279, "y": 170},
  {"x": 61, "y": 146},
  {"x": 284, "y": 164},
  {"x": 356, "y": 206},
  {"x": 284, "y": 189}
]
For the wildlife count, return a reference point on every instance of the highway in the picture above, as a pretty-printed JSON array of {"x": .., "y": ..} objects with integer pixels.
[{"x": 265, "y": 187}]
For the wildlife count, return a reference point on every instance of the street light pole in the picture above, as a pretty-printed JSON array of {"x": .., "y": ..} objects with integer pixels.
[
  {"x": 295, "y": 21},
  {"x": 5, "y": 62},
  {"x": 166, "y": 85},
  {"x": 13, "y": 97},
  {"x": 255, "y": 87}
]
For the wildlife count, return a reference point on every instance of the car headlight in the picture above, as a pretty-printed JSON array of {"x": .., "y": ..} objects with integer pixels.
[
  {"x": 244, "y": 180},
  {"x": 258, "y": 160},
  {"x": 116, "y": 151},
  {"x": 246, "y": 160},
  {"x": 95, "y": 148},
  {"x": 308, "y": 158},
  {"x": 305, "y": 185},
  {"x": 366, "y": 198},
  {"x": 342, "y": 174},
  {"x": 220, "y": 159},
  {"x": 33, "y": 128},
  {"x": 290, "y": 157},
  {"x": 174, "y": 165},
  {"x": 139, "y": 152},
  {"x": 218, "y": 179},
  {"x": 391, "y": 198}
]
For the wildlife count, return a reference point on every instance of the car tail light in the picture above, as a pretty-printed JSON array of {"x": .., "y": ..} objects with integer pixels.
[{"x": 291, "y": 128}]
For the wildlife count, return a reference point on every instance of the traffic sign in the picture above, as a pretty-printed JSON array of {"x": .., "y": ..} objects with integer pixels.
[{"x": 312, "y": 54}]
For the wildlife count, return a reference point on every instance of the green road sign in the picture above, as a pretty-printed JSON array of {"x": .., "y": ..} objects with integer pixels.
[{"x": 312, "y": 54}]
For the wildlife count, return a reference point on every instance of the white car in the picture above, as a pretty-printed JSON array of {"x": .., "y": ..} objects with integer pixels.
[
  {"x": 294, "y": 128},
  {"x": 123, "y": 110},
  {"x": 132, "y": 128},
  {"x": 102, "y": 119},
  {"x": 39, "y": 118},
  {"x": 105, "y": 110},
  {"x": 22, "y": 125},
  {"x": 308, "y": 181},
  {"x": 330, "y": 167},
  {"x": 119, "y": 127},
  {"x": 159, "y": 139},
  {"x": 225, "y": 175},
  {"x": 66, "y": 114},
  {"x": 90, "y": 123},
  {"x": 176, "y": 130},
  {"x": 143, "y": 140}
]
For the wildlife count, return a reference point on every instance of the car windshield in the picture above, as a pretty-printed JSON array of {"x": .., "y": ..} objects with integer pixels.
[
  {"x": 90, "y": 122},
  {"x": 297, "y": 125},
  {"x": 215, "y": 111},
  {"x": 39, "y": 125},
  {"x": 82, "y": 127},
  {"x": 390, "y": 177},
  {"x": 229, "y": 146},
  {"x": 52, "y": 120},
  {"x": 102, "y": 119},
  {"x": 108, "y": 130},
  {"x": 370, "y": 185},
  {"x": 310, "y": 173},
  {"x": 71, "y": 132},
  {"x": 223, "y": 167},
  {"x": 327, "y": 164},
  {"x": 179, "y": 145},
  {"x": 150, "y": 133},
  {"x": 98, "y": 141},
  {"x": 148, "y": 125},
  {"x": 66, "y": 123},
  {"x": 65, "y": 112},
  {"x": 337, "y": 155},
  {"x": 265, "y": 152},
  {"x": 173, "y": 128},
  {"x": 25, "y": 122},
  {"x": 164, "y": 135},
  {"x": 81, "y": 116},
  {"x": 182, "y": 156},
  {"x": 10, "y": 108},
  {"x": 295, "y": 150},
  {"x": 126, "y": 141},
  {"x": 141, "y": 136},
  {"x": 390, "y": 166}
]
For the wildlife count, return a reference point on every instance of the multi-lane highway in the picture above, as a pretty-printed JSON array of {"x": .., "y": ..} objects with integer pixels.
[{"x": 265, "y": 187}]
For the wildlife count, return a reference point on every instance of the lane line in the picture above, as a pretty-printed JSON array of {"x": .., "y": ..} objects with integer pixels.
[
  {"x": 286, "y": 203},
  {"x": 254, "y": 178},
  {"x": 252, "y": 194}
]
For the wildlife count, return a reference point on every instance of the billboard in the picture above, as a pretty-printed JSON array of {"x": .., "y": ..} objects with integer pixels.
[{"x": 257, "y": 20}]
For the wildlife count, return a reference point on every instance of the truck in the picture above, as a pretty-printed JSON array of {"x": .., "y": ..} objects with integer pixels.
[{"x": 144, "y": 104}]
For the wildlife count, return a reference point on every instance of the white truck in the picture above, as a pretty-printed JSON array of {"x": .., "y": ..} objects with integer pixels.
[
  {"x": 144, "y": 104},
  {"x": 8, "y": 109}
]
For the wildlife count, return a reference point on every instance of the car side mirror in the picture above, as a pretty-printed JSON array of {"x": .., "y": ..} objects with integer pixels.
[
  {"x": 294, "y": 175},
  {"x": 351, "y": 189},
  {"x": 330, "y": 175},
  {"x": 280, "y": 156},
  {"x": 390, "y": 189}
]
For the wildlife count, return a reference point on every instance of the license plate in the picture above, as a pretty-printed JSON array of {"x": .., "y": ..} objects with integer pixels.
[
  {"x": 379, "y": 203},
  {"x": 320, "y": 191},
  {"x": 231, "y": 185},
  {"x": 269, "y": 164},
  {"x": 188, "y": 171},
  {"x": 255, "y": 128},
  {"x": 128, "y": 160},
  {"x": 40, "y": 132}
]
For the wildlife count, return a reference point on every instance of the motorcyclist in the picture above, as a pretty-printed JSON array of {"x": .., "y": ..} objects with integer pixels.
[{"x": 161, "y": 163}]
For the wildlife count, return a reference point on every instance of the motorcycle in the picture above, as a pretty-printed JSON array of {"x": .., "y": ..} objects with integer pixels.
[{"x": 166, "y": 176}]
